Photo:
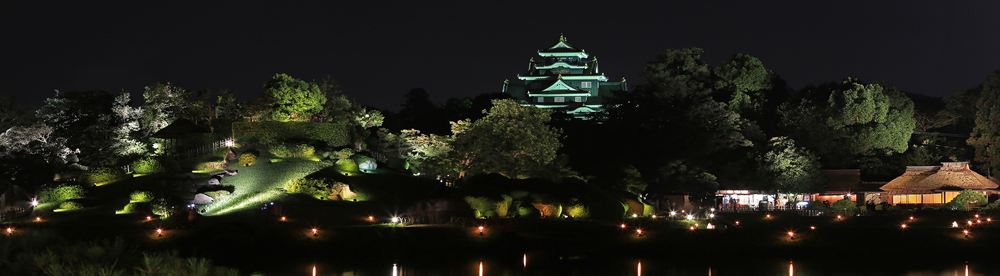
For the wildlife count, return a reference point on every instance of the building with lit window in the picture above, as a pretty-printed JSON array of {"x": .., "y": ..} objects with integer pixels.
[
  {"x": 936, "y": 185},
  {"x": 563, "y": 78}
]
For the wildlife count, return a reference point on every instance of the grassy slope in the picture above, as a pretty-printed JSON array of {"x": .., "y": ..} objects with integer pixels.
[{"x": 261, "y": 183}]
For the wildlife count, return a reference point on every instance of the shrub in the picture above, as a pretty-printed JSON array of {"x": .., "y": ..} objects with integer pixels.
[
  {"x": 292, "y": 150},
  {"x": 347, "y": 166},
  {"x": 967, "y": 198},
  {"x": 155, "y": 165},
  {"x": 548, "y": 210},
  {"x": 130, "y": 208},
  {"x": 141, "y": 196},
  {"x": 217, "y": 193},
  {"x": 334, "y": 134},
  {"x": 578, "y": 211},
  {"x": 100, "y": 174},
  {"x": 845, "y": 206},
  {"x": 481, "y": 205},
  {"x": 161, "y": 207},
  {"x": 59, "y": 193},
  {"x": 344, "y": 153},
  {"x": 817, "y": 205},
  {"x": 71, "y": 205},
  {"x": 525, "y": 211},
  {"x": 249, "y": 157},
  {"x": 314, "y": 187}
]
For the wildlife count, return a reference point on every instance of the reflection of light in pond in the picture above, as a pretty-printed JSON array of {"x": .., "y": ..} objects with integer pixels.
[
  {"x": 525, "y": 260},
  {"x": 480, "y": 268},
  {"x": 791, "y": 269},
  {"x": 394, "y": 273},
  {"x": 639, "y": 269},
  {"x": 314, "y": 270}
]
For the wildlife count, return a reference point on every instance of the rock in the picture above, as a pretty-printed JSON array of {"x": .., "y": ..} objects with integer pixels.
[
  {"x": 213, "y": 181},
  {"x": 232, "y": 172},
  {"x": 341, "y": 191},
  {"x": 202, "y": 199}
]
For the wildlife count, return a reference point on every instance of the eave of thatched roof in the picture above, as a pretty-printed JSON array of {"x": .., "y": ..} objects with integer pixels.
[
  {"x": 928, "y": 178},
  {"x": 907, "y": 180}
]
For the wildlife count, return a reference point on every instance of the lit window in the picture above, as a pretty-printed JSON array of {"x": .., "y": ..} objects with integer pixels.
[
  {"x": 560, "y": 99},
  {"x": 541, "y": 100},
  {"x": 585, "y": 84},
  {"x": 577, "y": 99}
]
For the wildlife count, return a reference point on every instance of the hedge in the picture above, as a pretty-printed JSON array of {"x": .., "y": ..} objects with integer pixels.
[
  {"x": 282, "y": 150},
  {"x": 60, "y": 193},
  {"x": 100, "y": 174},
  {"x": 335, "y": 134},
  {"x": 155, "y": 165}
]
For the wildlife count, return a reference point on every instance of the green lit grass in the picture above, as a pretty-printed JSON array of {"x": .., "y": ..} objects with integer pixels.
[{"x": 261, "y": 183}]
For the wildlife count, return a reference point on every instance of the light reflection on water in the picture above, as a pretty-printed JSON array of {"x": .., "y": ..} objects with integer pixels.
[{"x": 623, "y": 267}]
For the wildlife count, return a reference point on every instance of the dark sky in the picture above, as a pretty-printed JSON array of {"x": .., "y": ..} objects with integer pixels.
[{"x": 379, "y": 50}]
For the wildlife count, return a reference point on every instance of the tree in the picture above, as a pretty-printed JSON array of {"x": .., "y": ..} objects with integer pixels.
[
  {"x": 630, "y": 180},
  {"x": 787, "y": 168},
  {"x": 127, "y": 142},
  {"x": 292, "y": 99},
  {"x": 511, "y": 140},
  {"x": 227, "y": 104},
  {"x": 743, "y": 79},
  {"x": 11, "y": 113},
  {"x": 419, "y": 112},
  {"x": 164, "y": 103},
  {"x": 844, "y": 206},
  {"x": 679, "y": 175},
  {"x": 965, "y": 199},
  {"x": 80, "y": 118},
  {"x": 985, "y": 137},
  {"x": 874, "y": 119}
]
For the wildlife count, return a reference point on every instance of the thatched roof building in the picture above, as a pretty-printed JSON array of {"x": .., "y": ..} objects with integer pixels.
[{"x": 935, "y": 184}]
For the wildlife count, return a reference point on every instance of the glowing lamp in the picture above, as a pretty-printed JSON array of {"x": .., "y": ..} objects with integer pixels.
[
  {"x": 954, "y": 224},
  {"x": 989, "y": 220},
  {"x": 964, "y": 231},
  {"x": 690, "y": 217},
  {"x": 371, "y": 218},
  {"x": 979, "y": 221},
  {"x": 34, "y": 202},
  {"x": 737, "y": 223},
  {"x": 635, "y": 215},
  {"x": 672, "y": 213},
  {"x": 692, "y": 228},
  {"x": 812, "y": 227},
  {"x": 623, "y": 226},
  {"x": 159, "y": 232},
  {"x": 977, "y": 215},
  {"x": 911, "y": 217},
  {"x": 38, "y": 218},
  {"x": 768, "y": 215},
  {"x": 229, "y": 143},
  {"x": 710, "y": 226},
  {"x": 480, "y": 230},
  {"x": 654, "y": 216},
  {"x": 712, "y": 209},
  {"x": 697, "y": 225},
  {"x": 711, "y": 215},
  {"x": 283, "y": 218},
  {"x": 395, "y": 219},
  {"x": 10, "y": 230},
  {"x": 149, "y": 218},
  {"x": 838, "y": 216},
  {"x": 904, "y": 225},
  {"x": 639, "y": 231},
  {"x": 970, "y": 222},
  {"x": 791, "y": 235},
  {"x": 315, "y": 232}
]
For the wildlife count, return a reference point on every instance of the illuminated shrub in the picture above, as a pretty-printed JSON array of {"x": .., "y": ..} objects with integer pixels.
[
  {"x": 161, "y": 207},
  {"x": 100, "y": 174},
  {"x": 60, "y": 193},
  {"x": 344, "y": 153},
  {"x": 817, "y": 205},
  {"x": 501, "y": 207},
  {"x": 518, "y": 194},
  {"x": 525, "y": 211},
  {"x": 314, "y": 187},
  {"x": 130, "y": 208},
  {"x": 71, "y": 205},
  {"x": 155, "y": 165},
  {"x": 217, "y": 194},
  {"x": 141, "y": 196},
  {"x": 292, "y": 150},
  {"x": 578, "y": 211},
  {"x": 347, "y": 165},
  {"x": 481, "y": 205},
  {"x": 845, "y": 206},
  {"x": 548, "y": 210},
  {"x": 249, "y": 157}
]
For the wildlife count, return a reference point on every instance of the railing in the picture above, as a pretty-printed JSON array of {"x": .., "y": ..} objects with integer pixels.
[
  {"x": 206, "y": 149},
  {"x": 14, "y": 213},
  {"x": 773, "y": 209}
]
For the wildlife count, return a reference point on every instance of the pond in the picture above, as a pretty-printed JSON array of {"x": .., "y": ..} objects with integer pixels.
[{"x": 715, "y": 265}]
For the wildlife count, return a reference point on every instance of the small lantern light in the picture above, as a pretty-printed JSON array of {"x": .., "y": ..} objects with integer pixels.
[
  {"x": 635, "y": 215},
  {"x": 791, "y": 235},
  {"x": 904, "y": 225},
  {"x": 692, "y": 228},
  {"x": 159, "y": 232},
  {"x": 838, "y": 217},
  {"x": 149, "y": 218},
  {"x": 964, "y": 231},
  {"x": 480, "y": 230},
  {"x": 283, "y": 218},
  {"x": 979, "y": 221},
  {"x": 970, "y": 222},
  {"x": 371, "y": 218},
  {"x": 690, "y": 217},
  {"x": 737, "y": 223},
  {"x": 768, "y": 215},
  {"x": 710, "y": 226},
  {"x": 623, "y": 226},
  {"x": 977, "y": 215},
  {"x": 639, "y": 231},
  {"x": 954, "y": 224},
  {"x": 395, "y": 220},
  {"x": 315, "y": 232},
  {"x": 711, "y": 215},
  {"x": 10, "y": 230},
  {"x": 34, "y": 202},
  {"x": 989, "y": 220},
  {"x": 672, "y": 213},
  {"x": 911, "y": 217},
  {"x": 812, "y": 227},
  {"x": 654, "y": 216}
]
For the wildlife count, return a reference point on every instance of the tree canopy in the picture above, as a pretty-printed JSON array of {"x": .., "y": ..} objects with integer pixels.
[{"x": 291, "y": 99}]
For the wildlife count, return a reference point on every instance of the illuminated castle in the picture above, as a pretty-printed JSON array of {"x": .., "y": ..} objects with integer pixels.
[{"x": 564, "y": 78}]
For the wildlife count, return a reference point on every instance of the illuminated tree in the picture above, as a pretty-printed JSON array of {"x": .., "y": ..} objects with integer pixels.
[
  {"x": 165, "y": 103},
  {"x": 787, "y": 168},
  {"x": 964, "y": 200},
  {"x": 985, "y": 137},
  {"x": 292, "y": 99},
  {"x": 744, "y": 79}
]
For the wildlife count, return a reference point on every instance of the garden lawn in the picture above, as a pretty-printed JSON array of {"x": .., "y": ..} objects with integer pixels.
[{"x": 261, "y": 183}]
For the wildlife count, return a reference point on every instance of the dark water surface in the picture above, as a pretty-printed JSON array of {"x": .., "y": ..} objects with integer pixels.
[{"x": 720, "y": 265}]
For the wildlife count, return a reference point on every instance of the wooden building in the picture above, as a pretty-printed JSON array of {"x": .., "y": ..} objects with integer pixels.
[{"x": 936, "y": 185}]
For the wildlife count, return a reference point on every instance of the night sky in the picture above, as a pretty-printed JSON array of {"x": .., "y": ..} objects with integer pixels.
[{"x": 379, "y": 50}]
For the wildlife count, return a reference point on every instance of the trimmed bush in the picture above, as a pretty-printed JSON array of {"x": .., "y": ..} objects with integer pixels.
[
  {"x": 155, "y": 165},
  {"x": 130, "y": 208},
  {"x": 344, "y": 153},
  {"x": 347, "y": 166},
  {"x": 314, "y": 187},
  {"x": 60, "y": 193},
  {"x": 334, "y": 134},
  {"x": 216, "y": 194},
  {"x": 844, "y": 206},
  {"x": 578, "y": 211},
  {"x": 292, "y": 150},
  {"x": 100, "y": 174},
  {"x": 161, "y": 207},
  {"x": 141, "y": 196},
  {"x": 71, "y": 205},
  {"x": 482, "y": 206},
  {"x": 249, "y": 157}
]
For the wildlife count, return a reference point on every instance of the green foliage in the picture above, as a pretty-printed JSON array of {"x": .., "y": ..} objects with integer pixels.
[
  {"x": 218, "y": 193},
  {"x": 317, "y": 188},
  {"x": 155, "y": 165},
  {"x": 578, "y": 211},
  {"x": 985, "y": 137},
  {"x": 348, "y": 166},
  {"x": 481, "y": 205},
  {"x": 282, "y": 150},
  {"x": 161, "y": 206},
  {"x": 334, "y": 134},
  {"x": 527, "y": 211},
  {"x": 790, "y": 169},
  {"x": 967, "y": 198},
  {"x": 292, "y": 99},
  {"x": 742, "y": 75},
  {"x": 873, "y": 118},
  {"x": 630, "y": 180},
  {"x": 60, "y": 193},
  {"x": 817, "y": 205},
  {"x": 249, "y": 157},
  {"x": 344, "y": 153},
  {"x": 100, "y": 174},
  {"x": 141, "y": 196},
  {"x": 70, "y": 205},
  {"x": 362, "y": 158},
  {"x": 131, "y": 208},
  {"x": 844, "y": 206}
]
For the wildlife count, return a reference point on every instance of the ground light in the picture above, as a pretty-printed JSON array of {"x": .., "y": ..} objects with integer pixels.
[
  {"x": 371, "y": 218},
  {"x": 672, "y": 213},
  {"x": 692, "y": 228},
  {"x": 966, "y": 231},
  {"x": 315, "y": 232},
  {"x": 812, "y": 227},
  {"x": 954, "y": 224},
  {"x": 10, "y": 230},
  {"x": 737, "y": 223},
  {"x": 710, "y": 226},
  {"x": 639, "y": 231},
  {"x": 711, "y": 215},
  {"x": 283, "y": 218},
  {"x": 159, "y": 232},
  {"x": 639, "y": 269},
  {"x": 690, "y": 217},
  {"x": 654, "y": 216},
  {"x": 977, "y": 215},
  {"x": 838, "y": 217},
  {"x": 34, "y": 203},
  {"x": 970, "y": 223},
  {"x": 149, "y": 218},
  {"x": 480, "y": 230},
  {"x": 911, "y": 217},
  {"x": 623, "y": 226},
  {"x": 395, "y": 220},
  {"x": 635, "y": 215},
  {"x": 38, "y": 218},
  {"x": 791, "y": 235},
  {"x": 768, "y": 215},
  {"x": 903, "y": 226}
]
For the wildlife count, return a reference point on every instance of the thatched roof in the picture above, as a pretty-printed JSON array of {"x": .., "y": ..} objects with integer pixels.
[
  {"x": 949, "y": 174},
  {"x": 179, "y": 129}
]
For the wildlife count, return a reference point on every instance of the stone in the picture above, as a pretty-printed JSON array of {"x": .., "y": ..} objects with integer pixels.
[
  {"x": 341, "y": 191},
  {"x": 232, "y": 172},
  {"x": 202, "y": 199},
  {"x": 213, "y": 181}
]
